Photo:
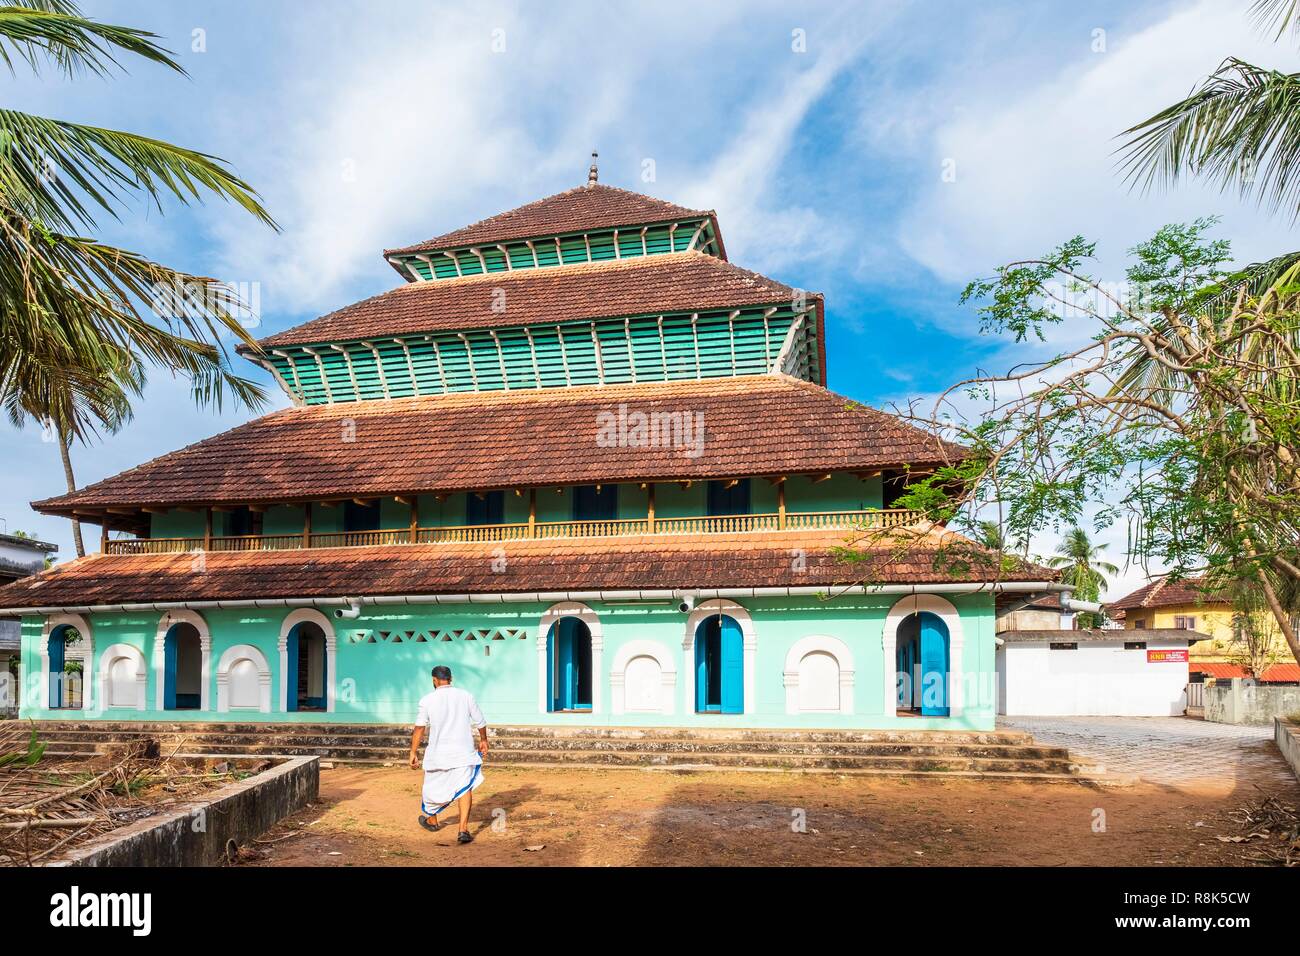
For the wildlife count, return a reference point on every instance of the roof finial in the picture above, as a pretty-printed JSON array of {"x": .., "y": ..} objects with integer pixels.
[{"x": 593, "y": 173}]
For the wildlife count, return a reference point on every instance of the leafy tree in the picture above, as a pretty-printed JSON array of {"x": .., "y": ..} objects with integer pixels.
[
  {"x": 1179, "y": 412},
  {"x": 80, "y": 320}
]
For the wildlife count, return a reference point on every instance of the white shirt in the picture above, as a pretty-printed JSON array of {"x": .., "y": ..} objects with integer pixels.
[{"x": 452, "y": 716}]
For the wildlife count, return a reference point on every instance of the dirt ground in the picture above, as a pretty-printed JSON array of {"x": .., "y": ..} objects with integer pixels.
[{"x": 535, "y": 817}]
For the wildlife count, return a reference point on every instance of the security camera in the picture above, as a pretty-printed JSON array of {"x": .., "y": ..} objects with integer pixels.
[
  {"x": 351, "y": 612},
  {"x": 685, "y": 604}
]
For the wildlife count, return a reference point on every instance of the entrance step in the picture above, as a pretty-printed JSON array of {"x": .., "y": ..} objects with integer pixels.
[{"x": 994, "y": 754}]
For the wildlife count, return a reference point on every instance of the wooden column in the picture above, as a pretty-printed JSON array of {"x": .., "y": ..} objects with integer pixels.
[
  {"x": 103, "y": 535},
  {"x": 532, "y": 512},
  {"x": 650, "y": 509},
  {"x": 207, "y": 529},
  {"x": 415, "y": 518},
  {"x": 780, "y": 505},
  {"x": 306, "y": 525}
]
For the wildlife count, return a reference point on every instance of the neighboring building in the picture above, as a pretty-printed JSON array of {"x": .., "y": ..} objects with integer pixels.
[
  {"x": 1094, "y": 672},
  {"x": 1190, "y": 604},
  {"x": 1015, "y": 613},
  {"x": 579, "y": 457},
  {"x": 19, "y": 557}
]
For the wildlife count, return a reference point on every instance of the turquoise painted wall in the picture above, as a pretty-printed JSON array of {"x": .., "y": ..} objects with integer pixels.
[{"x": 383, "y": 680}]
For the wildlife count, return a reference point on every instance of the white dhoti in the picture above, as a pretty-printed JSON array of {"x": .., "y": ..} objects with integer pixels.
[{"x": 442, "y": 788}]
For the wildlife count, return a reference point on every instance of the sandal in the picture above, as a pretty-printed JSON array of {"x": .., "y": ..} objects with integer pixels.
[
  {"x": 430, "y": 823},
  {"x": 464, "y": 837}
]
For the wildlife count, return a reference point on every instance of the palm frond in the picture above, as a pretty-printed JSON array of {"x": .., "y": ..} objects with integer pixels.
[
  {"x": 1240, "y": 128},
  {"x": 57, "y": 172},
  {"x": 34, "y": 31},
  {"x": 1276, "y": 16}
]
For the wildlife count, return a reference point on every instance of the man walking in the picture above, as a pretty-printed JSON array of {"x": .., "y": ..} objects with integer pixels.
[{"x": 453, "y": 765}]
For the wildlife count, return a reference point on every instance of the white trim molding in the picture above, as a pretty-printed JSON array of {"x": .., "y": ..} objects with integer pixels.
[
  {"x": 84, "y": 653},
  {"x": 110, "y": 656},
  {"x": 667, "y": 670},
  {"x": 308, "y": 615},
  {"x": 242, "y": 652},
  {"x": 587, "y": 616},
  {"x": 741, "y": 616},
  {"x": 169, "y": 620},
  {"x": 818, "y": 644},
  {"x": 946, "y": 612}
]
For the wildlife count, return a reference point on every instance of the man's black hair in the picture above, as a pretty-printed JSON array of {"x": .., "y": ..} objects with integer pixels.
[{"x": 442, "y": 673}]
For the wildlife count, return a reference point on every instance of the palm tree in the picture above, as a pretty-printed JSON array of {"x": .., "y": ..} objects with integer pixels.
[
  {"x": 79, "y": 319},
  {"x": 1083, "y": 568},
  {"x": 1239, "y": 128}
]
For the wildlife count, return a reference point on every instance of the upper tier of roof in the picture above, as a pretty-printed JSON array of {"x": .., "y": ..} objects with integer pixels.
[
  {"x": 593, "y": 206},
  {"x": 1165, "y": 593},
  {"x": 676, "y": 282},
  {"x": 753, "y": 425}
]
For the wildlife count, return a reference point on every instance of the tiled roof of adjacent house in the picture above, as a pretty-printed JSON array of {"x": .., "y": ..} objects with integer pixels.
[
  {"x": 584, "y": 208},
  {"x": 713, "y": 562},
  {"x": 674, "y": 282},
  {"x": 1220, "y": 670},
  {"x": 753, "y": 425},
  {"x": 1165, "y": 593}
]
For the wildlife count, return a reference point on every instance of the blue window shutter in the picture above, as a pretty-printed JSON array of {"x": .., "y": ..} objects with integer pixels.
[
  {"x": 169, "y": 670},
  {"x": 57, "y": 662},
  {"x": 729, "y": 501},
  {"x": 567, "y": 668},
  {"x": 934, "y": 660},
  {"x": 490, "y": 509},
  {"x": 702, "y": 666},
  {"x": 292, "y": 676},
  {"x": 590, "y": 504},
  {"x": 733, "y": 667}
]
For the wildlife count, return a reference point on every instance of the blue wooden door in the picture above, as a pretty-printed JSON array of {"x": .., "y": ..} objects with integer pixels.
[
  {"x": 169, "y": 670},
  {"x": 57, "y": 676},
  {"x": 291, "y": 678},
  {"x": 934, "y": 667},
  {"x": 566, "y": 666},
  {"x": 733, "y": 667},
  {"x": 702, "y": 666}
]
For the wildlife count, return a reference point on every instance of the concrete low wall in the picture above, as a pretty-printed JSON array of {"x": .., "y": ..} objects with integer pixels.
[
  {"x": 197, "y": 833},
  {"x": 1243, "y": 701},
  {"x": 1287, "y": 736}
]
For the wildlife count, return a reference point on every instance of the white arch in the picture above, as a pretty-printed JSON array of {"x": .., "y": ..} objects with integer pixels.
[
  {"x": 242, "y": 652},
  {"x": 824, "y": 644},
  {"x": 618, "y": 674},
  {"x": 110, "y": 656},
  {"x": 946, "y": 612},
  {"x": 741, "y": 616},
  {"x": 169, "y": 620},
  {"x": 308, "y": 615},
  {"x": 589, "y": 617},
  {"x": 85, "y": 653}
]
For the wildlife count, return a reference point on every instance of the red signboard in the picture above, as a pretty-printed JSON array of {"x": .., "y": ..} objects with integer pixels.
[{"x": 1167, "y": 657}]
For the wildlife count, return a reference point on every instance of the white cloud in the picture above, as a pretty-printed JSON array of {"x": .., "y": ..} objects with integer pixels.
[{"x": 1035, "y": 164}]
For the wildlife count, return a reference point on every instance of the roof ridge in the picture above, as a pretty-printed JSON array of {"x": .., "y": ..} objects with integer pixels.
[{"x": 670, "y": 210}]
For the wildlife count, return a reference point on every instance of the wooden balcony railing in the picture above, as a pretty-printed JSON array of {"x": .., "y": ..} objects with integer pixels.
[{"x": 713, "y": 524}]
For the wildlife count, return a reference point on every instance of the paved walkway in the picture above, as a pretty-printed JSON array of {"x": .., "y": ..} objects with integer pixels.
[{"x": 1173, "y": 751}]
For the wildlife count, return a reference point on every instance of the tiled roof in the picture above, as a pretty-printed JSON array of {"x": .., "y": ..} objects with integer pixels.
[
  {"x": 1104, "y": 635},
  {"x": 753, "y": 425},
  {"x": 576, "y": 210},
  {"x": 674, "y": 282},
  {"x": 1164, "y": 593},
  {"x": 582, "y": 564},
  {"x": 1275, "y": 674}
]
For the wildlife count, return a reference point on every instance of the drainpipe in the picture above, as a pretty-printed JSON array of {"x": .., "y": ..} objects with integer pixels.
[{"x": 351, "y": 612}]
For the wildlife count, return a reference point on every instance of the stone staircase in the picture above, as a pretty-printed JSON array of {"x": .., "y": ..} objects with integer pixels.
[{"x": 995, "y": 754}]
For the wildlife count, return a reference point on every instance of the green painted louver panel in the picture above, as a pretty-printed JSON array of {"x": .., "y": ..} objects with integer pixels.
[
  {"x": 608, "y": 351},
  {"x": 569, "y": 249}
]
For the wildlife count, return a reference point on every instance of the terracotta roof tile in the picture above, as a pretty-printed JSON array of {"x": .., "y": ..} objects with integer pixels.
[
  {"x": 1165, "y": 593},
  {"x": 575, "y": 210},
  {"x": 753, "y": 425},
  {"x": 675, "y": 282},
  {"x": 580, "y": 564}
]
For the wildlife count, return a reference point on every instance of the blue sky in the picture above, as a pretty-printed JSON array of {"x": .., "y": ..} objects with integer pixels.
[{"x": 367, "y": 125}]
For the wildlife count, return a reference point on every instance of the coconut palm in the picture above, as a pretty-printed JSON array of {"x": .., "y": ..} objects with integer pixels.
[
  {"x": 1082, "y": 566},
  {"x": 80, "y": 320},
  {"x": 1239, "y": 128}
]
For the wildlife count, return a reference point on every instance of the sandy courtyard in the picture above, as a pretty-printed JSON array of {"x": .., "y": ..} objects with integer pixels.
[{"x": 537, "y": 817}]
